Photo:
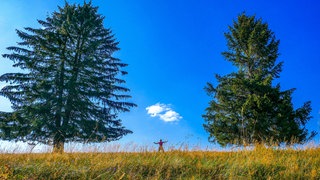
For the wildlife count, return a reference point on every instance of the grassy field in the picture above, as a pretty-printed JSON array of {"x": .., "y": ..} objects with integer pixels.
[{"x": 258, "y": 163}]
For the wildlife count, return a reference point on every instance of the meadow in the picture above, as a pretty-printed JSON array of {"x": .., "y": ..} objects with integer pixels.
[{"x": 258, "y": 162}]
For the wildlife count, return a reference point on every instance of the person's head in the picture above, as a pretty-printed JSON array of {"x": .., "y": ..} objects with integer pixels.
[{"x": 160, "y": 140}]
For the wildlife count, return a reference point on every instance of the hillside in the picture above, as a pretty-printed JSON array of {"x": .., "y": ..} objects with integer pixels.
[{"x": 259, "y": 163}]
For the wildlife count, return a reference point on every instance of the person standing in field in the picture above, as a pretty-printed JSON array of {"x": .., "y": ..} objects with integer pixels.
[{"x": 160, "y": 145}]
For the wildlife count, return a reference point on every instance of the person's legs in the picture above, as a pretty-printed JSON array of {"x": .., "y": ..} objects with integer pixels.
[{"x": 161, "y": 149}]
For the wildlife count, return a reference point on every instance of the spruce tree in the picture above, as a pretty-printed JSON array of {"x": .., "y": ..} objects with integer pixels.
[
  {"x": 246, "y": 106},
  {"x": 70, "y": 86}
]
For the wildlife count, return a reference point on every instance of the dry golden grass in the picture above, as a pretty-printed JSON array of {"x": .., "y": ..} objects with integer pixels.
[{"x": 257, "y": 163}]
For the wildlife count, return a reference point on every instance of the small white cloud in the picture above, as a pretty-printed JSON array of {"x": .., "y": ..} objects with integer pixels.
[
  {"x": 164, "y": 112},
  {"x": 154, "y": 110},
  {"x": 170, "y": 116}
]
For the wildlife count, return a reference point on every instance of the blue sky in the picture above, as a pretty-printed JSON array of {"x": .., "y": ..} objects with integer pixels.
[{"x": 173, "y": 49}]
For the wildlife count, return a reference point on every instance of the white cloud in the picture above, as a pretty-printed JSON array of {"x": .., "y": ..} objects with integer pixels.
[
  {"x": 154, "y": 110},
  {"x": 170, "y": 116},
  {"x": 164, "y": 112}
]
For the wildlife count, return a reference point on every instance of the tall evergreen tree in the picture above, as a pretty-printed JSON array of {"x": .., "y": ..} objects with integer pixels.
[
  {"x": 70, "y": 87},
  {"x": 246, "y": 107}
]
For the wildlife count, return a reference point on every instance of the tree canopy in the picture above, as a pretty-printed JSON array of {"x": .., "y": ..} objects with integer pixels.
[
  {"x": 246, "y": 106},
  {"x": 70, "y": 86}
]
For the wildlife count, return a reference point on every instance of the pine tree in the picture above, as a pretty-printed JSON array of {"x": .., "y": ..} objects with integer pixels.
[
  {"x": 70, "y": 87},
  {"x": 246, "y": 107}
]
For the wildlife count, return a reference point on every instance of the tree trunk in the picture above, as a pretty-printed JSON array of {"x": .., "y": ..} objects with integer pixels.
[{"x": 58, "y": 144}]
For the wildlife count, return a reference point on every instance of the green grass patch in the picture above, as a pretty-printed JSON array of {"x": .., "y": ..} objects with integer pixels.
[{"x": 260, "y": 163}]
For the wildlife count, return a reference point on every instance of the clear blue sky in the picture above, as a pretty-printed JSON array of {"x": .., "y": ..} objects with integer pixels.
[{"x": 173, "y": 47}]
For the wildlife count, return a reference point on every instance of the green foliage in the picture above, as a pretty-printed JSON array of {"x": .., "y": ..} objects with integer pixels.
[
  {"x": 70, "y": 89},
  {"x": 246, "y": 107}
]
